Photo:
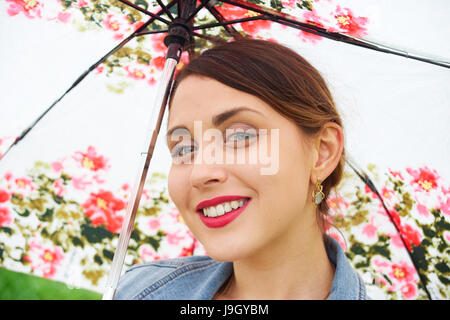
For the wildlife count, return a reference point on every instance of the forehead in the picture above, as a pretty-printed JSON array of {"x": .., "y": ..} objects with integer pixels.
[{"x": 199, "y": 98}]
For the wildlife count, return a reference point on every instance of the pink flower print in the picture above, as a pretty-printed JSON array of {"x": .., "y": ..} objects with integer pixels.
[
  {"x": 8, "y": 176},
  {"x": 24, "y": 182},
  {"x": 91, "y": 159},
  {"x": 64, "y": 17},
  {"x": 337, "y": 201},
  {"x": 396, "y": 174},
  {"x": 80, "y": 183},
  {"x": 30, "y": 8},
  {"x": 445, "y": 206},
  {"x": 370, "y": 230},
  {"x": 423, "y": 210},
  {"x": 45, "y": 259},
  {"x": 424, "y": 177},
  {"x": 447, "y": 236},
  {"x": 158, "y": 43},
  {"x": 154, "y": 224},
  {"x": 80, "y": 4},
  {"x": 339, "y": 239},
  {"x": 57, "y": 166},
  {"x": 350, "y": 24},
  {"x": 134, "y": 73},
  {"x": 402, "y": 272},
  {"x": 409, "y": 291},
  {"x": 174, "y": 238},
  {"x": 59, "y": 187},
  {"x": 5, "y": 217}
]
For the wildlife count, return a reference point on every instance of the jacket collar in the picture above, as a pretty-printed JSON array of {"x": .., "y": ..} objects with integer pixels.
[{"x": 347, "y": 285}]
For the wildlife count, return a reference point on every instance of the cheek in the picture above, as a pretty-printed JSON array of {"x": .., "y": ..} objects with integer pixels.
[{"x": 177, "y": 187}]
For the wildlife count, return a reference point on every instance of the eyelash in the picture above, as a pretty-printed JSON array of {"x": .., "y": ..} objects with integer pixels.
[{"x": 177, "y": 149}]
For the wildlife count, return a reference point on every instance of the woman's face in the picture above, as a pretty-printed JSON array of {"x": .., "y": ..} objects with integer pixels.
[{"x": 278, "y": 208}]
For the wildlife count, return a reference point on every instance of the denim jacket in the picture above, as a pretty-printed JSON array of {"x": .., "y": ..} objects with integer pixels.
[{"x": 200, "y": 277}]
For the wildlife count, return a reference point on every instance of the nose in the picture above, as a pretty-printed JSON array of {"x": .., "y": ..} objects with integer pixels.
[{"x": 207, "y": 175}]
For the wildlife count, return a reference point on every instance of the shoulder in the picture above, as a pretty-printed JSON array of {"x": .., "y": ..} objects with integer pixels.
[{"x": 194, "y": 277}]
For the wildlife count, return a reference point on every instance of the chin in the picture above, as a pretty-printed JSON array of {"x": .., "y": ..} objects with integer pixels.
[{"x": 225, "y": 251}]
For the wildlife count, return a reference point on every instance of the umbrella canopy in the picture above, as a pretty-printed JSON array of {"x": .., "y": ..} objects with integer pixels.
[{"x": 65, "y": 185}]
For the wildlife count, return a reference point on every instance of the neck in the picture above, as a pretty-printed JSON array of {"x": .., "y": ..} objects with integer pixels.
[{"x": 300, "y": 271}]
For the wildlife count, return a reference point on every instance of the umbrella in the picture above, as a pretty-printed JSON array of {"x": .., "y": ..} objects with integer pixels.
[{"x": 308, "y": 26}]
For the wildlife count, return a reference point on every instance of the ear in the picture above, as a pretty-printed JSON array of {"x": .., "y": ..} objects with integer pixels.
[{"x": 328, "y": 147}]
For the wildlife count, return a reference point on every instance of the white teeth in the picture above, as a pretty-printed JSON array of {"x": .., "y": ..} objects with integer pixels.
[{"x": 223, "y": 208}]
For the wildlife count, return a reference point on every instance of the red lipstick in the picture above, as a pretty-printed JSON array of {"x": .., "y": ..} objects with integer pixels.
[{"x": 221, "y": 221}]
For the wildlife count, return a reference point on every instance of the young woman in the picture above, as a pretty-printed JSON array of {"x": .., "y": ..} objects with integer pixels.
[{"x": 257, "y": 144}]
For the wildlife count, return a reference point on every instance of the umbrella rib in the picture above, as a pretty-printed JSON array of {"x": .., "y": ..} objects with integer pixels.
[
  {"x": 143, "y": 33},
  {"x": 365, "y": 178},
  {"x": 292, "y": 21},
  {"x": 219, "y": 17},
  {"x": 202, "y": 5},
  {"x": 212, "y": 39},
  {"x": 155, "y": 16},
  {"x": 221, "y": 24},
  {"x": 80, "y": 78},
  {"x": 166, "y": 10}
]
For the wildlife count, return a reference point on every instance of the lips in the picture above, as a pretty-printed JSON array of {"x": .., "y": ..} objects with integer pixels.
[
  {"x": 217, "y": 200},
  {"x": 221, "y": 221}
]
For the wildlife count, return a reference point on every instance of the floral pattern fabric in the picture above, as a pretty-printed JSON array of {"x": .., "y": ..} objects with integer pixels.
[
  {"x": 61, "y": 222},
  {"x": 142, "y": 59}
]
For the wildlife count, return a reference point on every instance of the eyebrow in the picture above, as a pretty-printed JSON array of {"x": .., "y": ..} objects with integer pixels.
[{"x": 217, "y": 119}]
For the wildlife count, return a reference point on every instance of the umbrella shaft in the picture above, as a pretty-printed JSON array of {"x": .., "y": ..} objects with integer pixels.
[{"x": 157, "y": 115}]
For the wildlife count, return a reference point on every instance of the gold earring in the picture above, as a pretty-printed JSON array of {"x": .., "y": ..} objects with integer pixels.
[{"x": 318, "y": 195}]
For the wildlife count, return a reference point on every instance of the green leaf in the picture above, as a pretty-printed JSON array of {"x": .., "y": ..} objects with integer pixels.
[
  {"x": 26, "y": 213},
  {"x": 108, "y": 254},
  {"x": 77, "y": 242},
  {"x": 444, "y": 280},
  {"x": 419, "y": 255},
  {"x": 98, "y": 260},
  {"x": 6, "y": 230},
  {"x": 48, "y": 215},
  {"x": 428, "y": 232},
  {"x": 357, "y": 249},
  {"x": 442, "y": 267},
  {"x": 382, "y": 250},
  {"x": 95, "y": 234}
]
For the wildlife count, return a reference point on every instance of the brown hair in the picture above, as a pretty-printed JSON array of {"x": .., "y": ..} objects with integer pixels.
[{"x": 281, "y": 78}]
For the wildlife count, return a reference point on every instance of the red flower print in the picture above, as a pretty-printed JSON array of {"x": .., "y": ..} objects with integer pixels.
[
  {"x": 158, "y": 62},
  {"x": 91, "y": 159},
  {"x": 424, "y": 177},
  {"x": 102, "y": 208},
  {"x": 30, "y": 8},
  {"x": 110, "y": 23},
  {"x": 188, "y": 251},
  {"x": 231, "y": 12},
  {"x": 409, "y": 291},
  {"x": 411, "y": 236},
  {"x": 4, "y": 195},
  {"x": 5, "y": 217},
  {"x": 158, "y": 43},
  {"x": 349, "y": 23},
  {"x": 252, "y": 27}
]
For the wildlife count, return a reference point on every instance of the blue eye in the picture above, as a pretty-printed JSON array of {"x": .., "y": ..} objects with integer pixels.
[
  {"x": 241, "y": 136},
  {"x": 179, "y": 151}
]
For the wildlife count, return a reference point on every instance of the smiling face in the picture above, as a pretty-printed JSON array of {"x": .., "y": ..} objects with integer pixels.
[{"x": 279, "y": 209}]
